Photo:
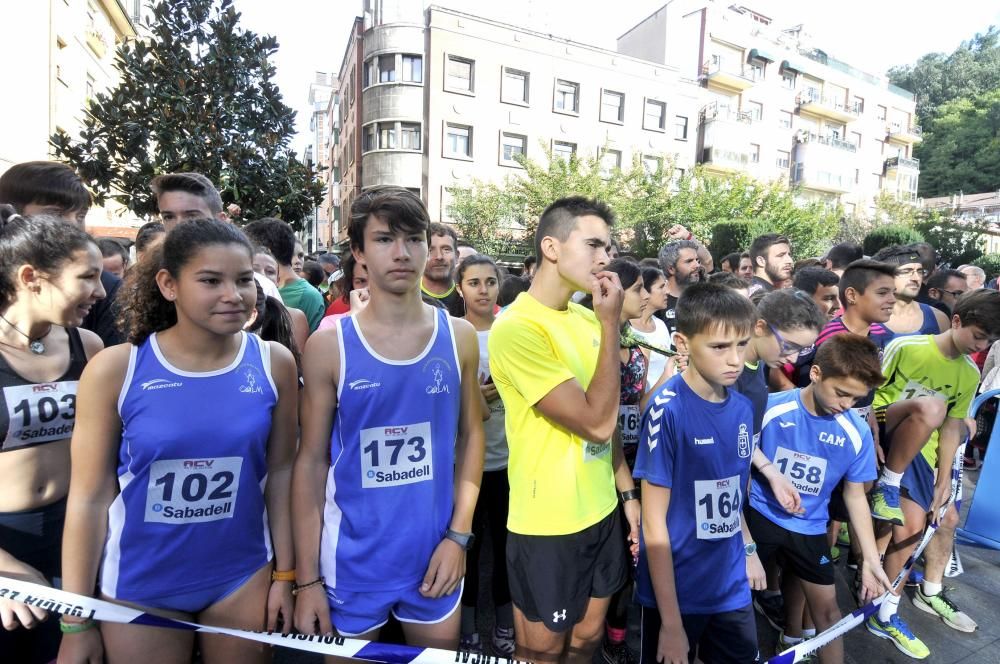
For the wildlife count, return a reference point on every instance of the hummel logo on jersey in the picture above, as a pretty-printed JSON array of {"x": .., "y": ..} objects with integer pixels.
[
  {"x": 704, "y": 441},
  {"x": 160, "y": 384},
  {"x": 362, "y": 384},
  {"x": 824, "y": 560},
  {"x": 558, "y": 615},
  {"x": 785, "y": 425}
]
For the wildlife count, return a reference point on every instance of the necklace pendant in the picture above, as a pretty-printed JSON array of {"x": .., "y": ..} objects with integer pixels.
[{"x": 37, "y": 347}]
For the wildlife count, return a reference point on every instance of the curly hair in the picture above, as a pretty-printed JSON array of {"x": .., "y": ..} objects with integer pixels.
[{"x": 142, "y": 308}]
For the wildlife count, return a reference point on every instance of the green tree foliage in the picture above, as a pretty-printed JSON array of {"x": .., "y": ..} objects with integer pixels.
[
  {"x": 961, "y": 149},
  {"x": 646, "y": 205},
  {"x": 990, "y": 264},
  {"x": 956, "y": 242},
  {"x": 199, "y": 95},
  {"x": 887, "y": 235}
]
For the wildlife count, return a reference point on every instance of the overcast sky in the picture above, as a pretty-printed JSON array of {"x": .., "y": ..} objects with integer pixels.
[{"x": 871, "y": 35}]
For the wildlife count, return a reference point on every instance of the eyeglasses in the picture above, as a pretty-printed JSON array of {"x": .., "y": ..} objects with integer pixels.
[
  {"x": 786, "y": 348},
  {"x": 954, "y": 293},
  {"x": 911, "y": 271}
]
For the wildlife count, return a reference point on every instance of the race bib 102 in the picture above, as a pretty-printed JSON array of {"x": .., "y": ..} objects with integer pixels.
[
  {"x": 192, "y": 490},
  {"x": 717, "y": 507},
  {"x": 39, "y": 413},
  {"x": 396, "y": 455}
]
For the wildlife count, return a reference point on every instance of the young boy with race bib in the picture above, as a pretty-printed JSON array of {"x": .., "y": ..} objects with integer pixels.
[
  {"x": 389, "y": 467},
  {"x": 694, "y": 463},
  {"x": 815, "y": 439}
]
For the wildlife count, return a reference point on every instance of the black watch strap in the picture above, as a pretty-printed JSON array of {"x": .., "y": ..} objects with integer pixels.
[
  {"x": 631, "y": 494},
  {"x": 464, "y": 540}
]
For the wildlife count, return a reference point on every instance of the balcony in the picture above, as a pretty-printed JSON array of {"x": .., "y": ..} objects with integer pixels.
[
  {"x": 725, "y": 160},
  {"x": 717, "y": 73},
  {"x": 813, "y": 102},
  {"x": 901, "y": 163},
  {"x": 724, "y": 113},
  {"x": 808, "y": 176},
  {"x": 829, "y": 141},
  {"x": 908, "y": 134}
]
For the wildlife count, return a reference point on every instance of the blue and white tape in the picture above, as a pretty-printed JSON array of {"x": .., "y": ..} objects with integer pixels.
[{"x": 71, "y": 604}]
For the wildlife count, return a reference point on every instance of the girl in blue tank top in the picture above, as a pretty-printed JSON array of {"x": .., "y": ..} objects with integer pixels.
[{"x": 181, "y": 460}]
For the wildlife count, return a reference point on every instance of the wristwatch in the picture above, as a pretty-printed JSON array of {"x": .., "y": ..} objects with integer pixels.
[
  {"x": 464, "y": 540},
  {"x": 631, "y": 494},
  {"x": 750, "y": 548}
]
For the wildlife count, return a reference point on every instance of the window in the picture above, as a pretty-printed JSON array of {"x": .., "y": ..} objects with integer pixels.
[
  {"x": 387, "y": 135},
  {"x": 680, "y": 127},
  {"x": 879, "y": 147},
  {"x": 89, "y": 90},
  {"x": 567, "y": 97},
  {"x": 785, "y": 119},
  {"x": 611, "y": 160},
  {"x": 757, "y": 70},
  {"x": 386, "y": 68},
  {"x": 563, "y": 150},
  {"x": 856, "y": 139},
  {"x": 514, "y": 86},
  {"x": 511, "y": 145},
  {"x": 368, "y": 138},
  {"x": 651, "y": 165},
  {"x": 877, "y": 181},
  {"x": 459, "y": 74},
  {"x": 880, "y": 113},
  {"x": 354, "y": 76},
  {"x": 783, "y": 159},
  {"x": 612, "y": 106},
  {"x": 458, "y": 141},
  {"x": 788, "y": 79},
  {"x": 754, "y": 153},
  {"x": 654, "y": 115},
  {"x": 409, "y": 136},
  {"x": 756, "y": 110},
  {"x": 413, "y": 68},
  {"x": 857, "y": 176},
  {"x": 859, "y": 105}
]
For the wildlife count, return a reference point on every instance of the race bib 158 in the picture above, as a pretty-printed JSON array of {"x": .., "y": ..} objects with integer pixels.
[{"x": 805, "y": 471}]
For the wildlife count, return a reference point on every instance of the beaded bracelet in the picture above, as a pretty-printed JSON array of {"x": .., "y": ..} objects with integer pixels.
[
  {"x": 75, "y": 628},
  {"x": 299, "y": 587}
]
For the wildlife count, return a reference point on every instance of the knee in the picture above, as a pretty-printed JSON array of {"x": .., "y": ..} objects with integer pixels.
[
  {"x": 948, "y": 524},
  {"x": 930, "y": 411},
  {"x": 588, "y": 632},
  {"x": 827, "y": 615}
]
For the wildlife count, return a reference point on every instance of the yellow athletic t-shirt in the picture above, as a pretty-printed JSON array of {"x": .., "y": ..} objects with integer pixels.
[
  {"x": 914, "y": 366},
  {"x": 559, "y": 482}
]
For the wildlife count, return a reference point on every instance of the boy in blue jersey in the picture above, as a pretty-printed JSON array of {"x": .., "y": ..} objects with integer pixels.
[
  {"x": 391, "y": 456},
  {"x": 815, "y": 439},
  {"x": 694, "y": 463}
]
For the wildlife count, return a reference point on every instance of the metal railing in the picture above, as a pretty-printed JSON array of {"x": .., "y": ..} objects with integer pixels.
[
  {"x": 717, "y": 111},
  {"x": 814, "y": 96},
  {"x": 718, "y": 66},
  {"x": 902, "y": 162},
  {"x": 837, "y": 143},
  {"x": 725, "y": 157},
  {"x": 898, "y": 128}
]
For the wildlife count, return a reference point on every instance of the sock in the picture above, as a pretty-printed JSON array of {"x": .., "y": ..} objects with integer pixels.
[
  {"x": 468, "y": 620},
  {"x": 931, "y": 588},
  {"x": 505, "y": 616},
  {"x": 890, "y": 478},
  {"x": 808, "y": 633},
  {"x": 888, "y": 608},
  {"x": 770, "y": 593},
  {"x": 615, "y": 635},
  {"x": 791, "y": 640}
]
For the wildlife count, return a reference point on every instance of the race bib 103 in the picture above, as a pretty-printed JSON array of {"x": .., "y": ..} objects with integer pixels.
[{"x": 39, "y": 413}]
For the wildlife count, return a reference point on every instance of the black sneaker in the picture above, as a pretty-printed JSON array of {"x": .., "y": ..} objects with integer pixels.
[
  {"x": 617, "y": 653},
  {"x": 772, "y": 608}
]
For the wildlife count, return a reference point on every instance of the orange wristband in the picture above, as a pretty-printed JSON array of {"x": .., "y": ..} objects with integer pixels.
[{"x": 283, "y": 576}]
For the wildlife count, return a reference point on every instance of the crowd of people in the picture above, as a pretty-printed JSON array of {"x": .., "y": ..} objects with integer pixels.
[{"x": 220, "y": 428}]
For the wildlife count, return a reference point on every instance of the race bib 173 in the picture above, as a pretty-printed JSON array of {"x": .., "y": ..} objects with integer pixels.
[{"x": 396, "y": 455}]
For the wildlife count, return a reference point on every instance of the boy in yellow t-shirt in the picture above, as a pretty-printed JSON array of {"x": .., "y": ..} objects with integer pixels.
[{"x": 555, "y": 365}]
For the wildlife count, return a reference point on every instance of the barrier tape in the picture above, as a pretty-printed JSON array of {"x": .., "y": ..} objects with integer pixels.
[
  {"x": 799, "y": 651},
  {"x": 65, "y": 603}
]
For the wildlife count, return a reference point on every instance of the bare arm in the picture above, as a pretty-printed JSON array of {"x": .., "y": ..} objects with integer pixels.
[
  {"x": 942, "y": 319},
  {"x": 318, "y": 403},
  {"x": 470, "y": 448},
  {"x": 300, "y": 327},
  {"x": 873, "y": 578},
  {"x": 660, "y": 559}
]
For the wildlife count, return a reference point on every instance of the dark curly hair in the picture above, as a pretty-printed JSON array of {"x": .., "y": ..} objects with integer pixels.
[
  {"x": 44, "y": 242},
  {"x": 142, "y": 308}
]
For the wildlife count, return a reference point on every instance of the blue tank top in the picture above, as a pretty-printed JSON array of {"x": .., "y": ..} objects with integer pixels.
[
  {"x": 389, "y": 491},
  {"x": 191, "y": 471},
  {"x": 928, "y": 326}
]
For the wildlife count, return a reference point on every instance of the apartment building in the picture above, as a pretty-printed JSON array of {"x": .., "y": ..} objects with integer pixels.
[
  {"x": 317, "y": 154},
  {"x": 346, "y": 151},
  {"x": 780, "y": 108}
]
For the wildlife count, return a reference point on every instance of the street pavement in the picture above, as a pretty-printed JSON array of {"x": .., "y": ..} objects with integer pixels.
[{"x": 977, "y": 592}]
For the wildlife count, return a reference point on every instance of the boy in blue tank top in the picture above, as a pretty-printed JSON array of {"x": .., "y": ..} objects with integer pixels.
[
  {"x": 815, "y": 439},
  {"x": 391, "y": 455},
  {"x": 694, "y": 463}
]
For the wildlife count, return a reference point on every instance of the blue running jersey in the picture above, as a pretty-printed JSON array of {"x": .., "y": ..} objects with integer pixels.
[
  {"x": 191, "y": 470},
  {"x": 814, "y": 453},
  {"x": 390, "y": 489},
  {"x": 700, "y": 451}
]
